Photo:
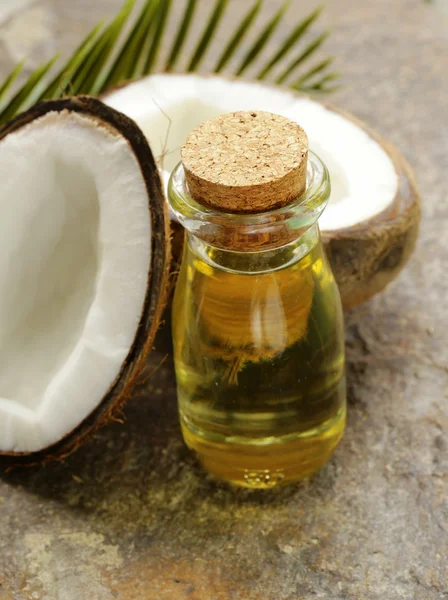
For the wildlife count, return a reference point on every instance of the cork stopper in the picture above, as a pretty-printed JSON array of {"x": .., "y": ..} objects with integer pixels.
[{"x": 246, "y": 162}]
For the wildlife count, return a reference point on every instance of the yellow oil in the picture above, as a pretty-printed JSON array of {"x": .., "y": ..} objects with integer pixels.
[{"x": 259, "y": 354}]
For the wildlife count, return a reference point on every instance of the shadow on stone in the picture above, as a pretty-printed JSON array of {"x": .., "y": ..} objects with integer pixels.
[{"x": 140, "y": 467}]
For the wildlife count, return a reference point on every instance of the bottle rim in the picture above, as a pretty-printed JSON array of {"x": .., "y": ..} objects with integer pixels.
[{"x": 287, "y": 223}]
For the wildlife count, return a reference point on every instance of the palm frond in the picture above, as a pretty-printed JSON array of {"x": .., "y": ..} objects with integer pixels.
[
  {"x": 321, "y": 66},
  {"x": 161, "y": 17},
  {"x": 129, "y": 62},
  {"x": 238, "y": 36},
  {"x": 11, "y": 78},
  {"x": 182, "y": 33},
  {"x": 28, "y": 94},
  {"x": 204, "y": 42},
  {"x": 263, "y": 38},
  {"x": 64, "y": 77},
  {"x": 312, "y": 47},
  {"x": 290, "y": 41},
  {"x": 321, "y": 85},
  {"x": 90, "y": 77},
  {"x": 107, "y": 56},
  {"x": 99, "y": 74}
]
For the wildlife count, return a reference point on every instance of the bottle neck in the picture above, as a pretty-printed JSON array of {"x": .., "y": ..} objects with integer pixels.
[
  {"x": 253, "y": 233},
  {"x": 257, "y": 261}
]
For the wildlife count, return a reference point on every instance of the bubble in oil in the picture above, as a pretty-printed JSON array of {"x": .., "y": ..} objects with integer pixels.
[{"x": 263, "y": 478}]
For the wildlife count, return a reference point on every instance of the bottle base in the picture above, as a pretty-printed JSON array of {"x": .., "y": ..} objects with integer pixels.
[{"x": 267, "y": 463}]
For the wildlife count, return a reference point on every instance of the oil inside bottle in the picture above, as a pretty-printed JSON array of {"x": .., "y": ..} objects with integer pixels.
[{"x": 259, "y": 360}]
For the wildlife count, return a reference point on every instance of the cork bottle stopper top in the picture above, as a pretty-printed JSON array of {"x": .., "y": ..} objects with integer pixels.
[{"x": 246, "y": 162}]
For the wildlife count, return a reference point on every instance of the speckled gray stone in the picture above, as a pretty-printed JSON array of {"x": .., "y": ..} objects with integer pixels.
[{"x": 131, "y": 516}]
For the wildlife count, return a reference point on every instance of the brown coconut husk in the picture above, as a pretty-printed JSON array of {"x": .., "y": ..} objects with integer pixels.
[{"x": 367, "y": 257}]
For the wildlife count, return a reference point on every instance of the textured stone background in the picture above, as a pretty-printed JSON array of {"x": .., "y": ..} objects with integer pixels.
[{"x": 132, "y": 517}]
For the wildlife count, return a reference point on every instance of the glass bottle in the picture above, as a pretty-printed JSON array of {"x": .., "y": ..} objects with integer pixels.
[{"x": 258, "y": 337}]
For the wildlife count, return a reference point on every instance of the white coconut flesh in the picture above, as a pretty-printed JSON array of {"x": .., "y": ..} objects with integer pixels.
[
  {"x": 75, "y": 231},
  {"x": 168, "y": 107}
]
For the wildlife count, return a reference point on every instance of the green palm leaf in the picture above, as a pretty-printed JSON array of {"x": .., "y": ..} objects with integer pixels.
[
  {"x": 182, "y": 32},
  {"x": 28, "y": 94},
  {"x": 157, "y": 32},
  {"x": 10, "y": 79},
  {"x": 208, "y": 34},
  {"x": 64, "y": 77},
  {"x": 130, "y": 60},
  {"x": 312, "y": 47},
  {"x": 263, "y": 38},
  {"x": 290, "y": 41},
  {"x": 238, "y": 36},
  {"x": 90, "y": 77},
  {"x": 321, "y": 84},
  {"x": 107, "y": 57},
  {"x": 321, "y": 66}
]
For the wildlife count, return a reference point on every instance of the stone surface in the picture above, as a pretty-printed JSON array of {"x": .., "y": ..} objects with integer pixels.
[
  {"x": 28, "y": 36},
  {"x": 10, "y": 8},
  {"x": 131, "y": 516}
]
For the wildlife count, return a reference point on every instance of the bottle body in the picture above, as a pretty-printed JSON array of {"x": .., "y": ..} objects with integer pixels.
[{"x": 259, "y": 355}]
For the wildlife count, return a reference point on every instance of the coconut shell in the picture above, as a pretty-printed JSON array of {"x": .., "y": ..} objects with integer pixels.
[
  {"x": 158, "y": 276},
  {"x": 367, "y": 257}
]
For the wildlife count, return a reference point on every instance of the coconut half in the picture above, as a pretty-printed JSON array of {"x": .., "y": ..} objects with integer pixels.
[
  {"x": 84, "y": 262},
  {"x": 371, "y": 223}
]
